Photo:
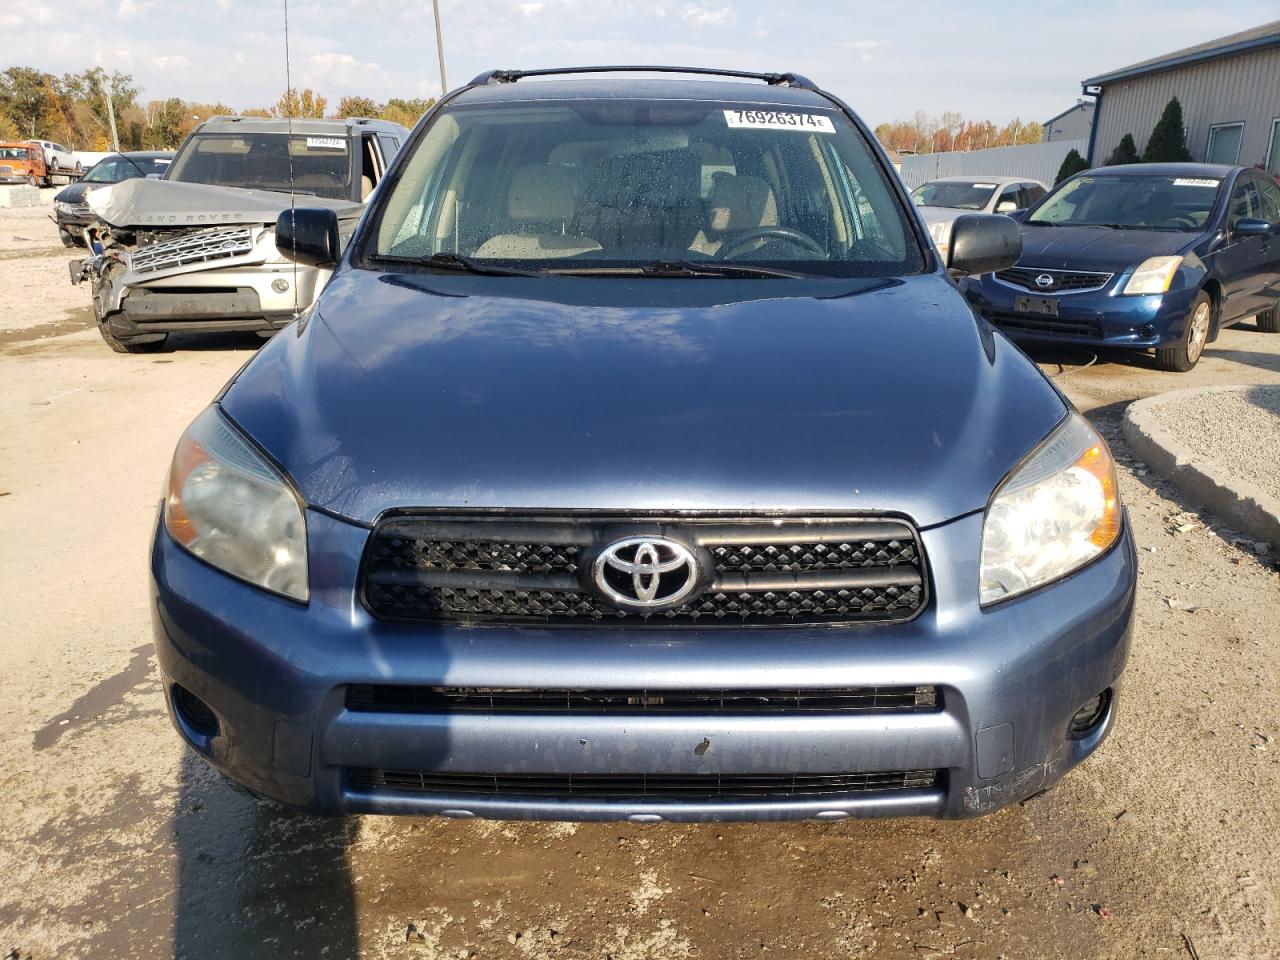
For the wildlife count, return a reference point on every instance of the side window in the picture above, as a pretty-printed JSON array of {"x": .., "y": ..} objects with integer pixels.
[
  {"x": 390, "y": 147},
  {"x": 1270, "y": 201},
  {"x": 1244, "y": 200},
  {"x": 1031, "y": 192},
  {"x": 1009, "y": 195}
]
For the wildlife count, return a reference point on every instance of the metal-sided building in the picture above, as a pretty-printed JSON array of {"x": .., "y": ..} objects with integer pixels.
[
  {"x": 1073, "y": 123},
  {"x": 1229, "y": 90}
]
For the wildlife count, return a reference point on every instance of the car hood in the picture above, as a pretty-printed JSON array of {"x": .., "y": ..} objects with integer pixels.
[
  {"x": 890, "y": 397},
  {"x": 76, "y": 192},
  {"x": 168, "y": 203},
  {"x": 942, "y": 214},
  {"x": 1097, "y": 248}
]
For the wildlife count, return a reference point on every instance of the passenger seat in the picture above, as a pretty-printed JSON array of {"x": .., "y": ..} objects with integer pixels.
[{"x": 541, "y": 204}]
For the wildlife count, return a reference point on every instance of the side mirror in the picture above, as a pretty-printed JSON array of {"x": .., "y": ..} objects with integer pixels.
[
  {"x": 1251, "y": 227},
  {"x": 1006, "y": 206},
  {"x": 983, "y": 243},
  {"x": 309, "y": 235}
]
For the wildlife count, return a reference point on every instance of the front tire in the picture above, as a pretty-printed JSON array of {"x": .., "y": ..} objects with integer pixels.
[
  {"x": 1185, "y": 352},
  {"x": 1269, "y": 322},
  {"x": 130, "y": 346}
]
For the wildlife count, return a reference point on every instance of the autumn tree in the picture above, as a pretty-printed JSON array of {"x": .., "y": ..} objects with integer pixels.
[
  {"x": 307, "y": 104},
  {"x": 405, "y": 112},
  {"x": 358, "y": 107},
  {"x": 24, "y": 98}
]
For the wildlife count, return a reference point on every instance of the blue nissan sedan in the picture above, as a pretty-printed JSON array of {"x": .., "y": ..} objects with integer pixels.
[
  {"x": 642, "y": 461},
  {"x": 1143, "y": 256}
]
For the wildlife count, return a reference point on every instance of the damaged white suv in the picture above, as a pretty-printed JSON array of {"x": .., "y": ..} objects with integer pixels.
[{"x": 196, "y": 250}]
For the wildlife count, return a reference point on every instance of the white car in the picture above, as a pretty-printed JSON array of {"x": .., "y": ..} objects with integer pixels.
[
  {"x": 942, "y": 200},
  {"x": 57, "y": 157}
]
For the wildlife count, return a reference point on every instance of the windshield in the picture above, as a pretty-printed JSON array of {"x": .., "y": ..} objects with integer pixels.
[
  {"x": 14, "y": 153},
  {"x": 595, "y": 185},
  {"x": 1139, "y": 201},
  {"x": 261, "y": 161},
  {"x": 949, "y": 193},
  {"x": 121, "y": 167}
]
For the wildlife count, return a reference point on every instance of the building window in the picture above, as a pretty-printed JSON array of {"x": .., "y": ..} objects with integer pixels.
[
  {"x": 1273, "y": 148},
  {"x": 1224, "y": 143}
]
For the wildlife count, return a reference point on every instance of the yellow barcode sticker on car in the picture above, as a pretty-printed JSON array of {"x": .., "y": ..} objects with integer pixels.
[{"x": 778, "y": 120}]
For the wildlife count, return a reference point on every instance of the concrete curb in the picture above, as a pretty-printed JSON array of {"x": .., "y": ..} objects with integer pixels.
[{"x": 1243, "y": 504}]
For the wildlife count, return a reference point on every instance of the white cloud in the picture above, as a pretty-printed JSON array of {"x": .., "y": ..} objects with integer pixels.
[
  {"x": 704, "y": 16},
  {"x": 175, "y": 61},
  {"x": 863, "y": 49},
  {"x": 531, "y": 9}
]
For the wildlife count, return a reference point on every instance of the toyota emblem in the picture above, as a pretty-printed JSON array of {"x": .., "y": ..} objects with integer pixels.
[
  {"x": 646, "y": 572},
  {"x": 1044, "y": 281}
]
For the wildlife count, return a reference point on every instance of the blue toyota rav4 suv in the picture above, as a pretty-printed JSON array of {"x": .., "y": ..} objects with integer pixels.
[{"x": 642, "y": 461}]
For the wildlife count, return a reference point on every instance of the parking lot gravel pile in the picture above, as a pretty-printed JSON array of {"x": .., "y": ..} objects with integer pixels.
[{"x": 1239, "y": 430}]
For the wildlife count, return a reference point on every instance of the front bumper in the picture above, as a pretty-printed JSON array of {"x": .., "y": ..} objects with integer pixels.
[
  {"x": 1098, "y": 318},
  {"x": 275, "y": 675}
]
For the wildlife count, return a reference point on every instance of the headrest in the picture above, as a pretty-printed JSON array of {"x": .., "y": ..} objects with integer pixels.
[
  {"x": 749, "y": 201},
  {"x": 540, "y": 192}
]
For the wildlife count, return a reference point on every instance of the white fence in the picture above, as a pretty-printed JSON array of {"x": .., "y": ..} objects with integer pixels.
[{"x": 1035, "y": 161}]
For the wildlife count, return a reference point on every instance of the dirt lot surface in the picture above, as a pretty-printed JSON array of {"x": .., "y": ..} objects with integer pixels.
[{"x": 115, "y": 843}]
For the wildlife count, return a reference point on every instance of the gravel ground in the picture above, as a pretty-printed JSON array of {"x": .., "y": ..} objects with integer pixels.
[
  {"x": 116, "y": 843},
  {"x": 1238, "y": 430}
]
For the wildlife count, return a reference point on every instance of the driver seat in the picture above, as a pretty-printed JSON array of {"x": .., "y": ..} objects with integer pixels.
[{"x": 734, "y": 204}]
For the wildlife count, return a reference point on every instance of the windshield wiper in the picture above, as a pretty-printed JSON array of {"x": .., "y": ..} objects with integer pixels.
[
  {"x": 456, "y": 261},
  {"x": 678, "y": 269}
]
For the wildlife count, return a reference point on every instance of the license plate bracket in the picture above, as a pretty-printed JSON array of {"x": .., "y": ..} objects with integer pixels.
[{"x": 1040, "y": 306}]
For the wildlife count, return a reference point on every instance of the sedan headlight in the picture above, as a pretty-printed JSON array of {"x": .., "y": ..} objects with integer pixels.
[
  {"x": 939, "y": 232},
  {"x": 233, "y": 509},
  {"x": 1153, "y": 275},
  {"x": 1055, "y": 513},
  {"x": 62, "y": 207}
]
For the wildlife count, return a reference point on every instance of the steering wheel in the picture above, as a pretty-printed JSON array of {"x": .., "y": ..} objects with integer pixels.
[
  {"x": 1186, "y": 219},
  {"x": 796, "y": 237}
]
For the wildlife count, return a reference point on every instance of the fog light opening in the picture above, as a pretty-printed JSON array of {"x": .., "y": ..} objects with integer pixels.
[
  {"x": 280, "y": 285},
  {"x": 1147, "y": 331},
  {"x": 1091, "y": 712},
  {"x": 194, "y": 712}
]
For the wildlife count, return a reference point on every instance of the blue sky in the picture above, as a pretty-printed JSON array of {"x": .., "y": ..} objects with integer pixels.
[{"x": 987, "y": 61}]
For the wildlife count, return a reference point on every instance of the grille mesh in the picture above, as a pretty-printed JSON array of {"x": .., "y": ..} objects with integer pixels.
[
  {"x": 538, "y": 570},
  {"x": 1064, "y": 281},
  {"x": 188, "y": 248},
  {"x": 392, "y": 698},
  {"x": 637, "y": 786}
]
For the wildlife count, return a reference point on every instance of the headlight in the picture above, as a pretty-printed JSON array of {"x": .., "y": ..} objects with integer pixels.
[
  {"x": 231, "y": 508},
  {"x": 939, "y": 232},
  {"x": 62, "y": 207},
  {"x": 1153, "y": 275},
  {"x": 1059, "y": 510}
]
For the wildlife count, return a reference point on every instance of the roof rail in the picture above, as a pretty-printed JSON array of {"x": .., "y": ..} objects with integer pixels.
[{"x": 774, "y": 79}]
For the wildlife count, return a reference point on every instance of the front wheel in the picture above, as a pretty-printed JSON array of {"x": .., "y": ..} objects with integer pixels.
[
  {"x": 1183, "y": 354},
  {"x": 1269, "y": 322}
]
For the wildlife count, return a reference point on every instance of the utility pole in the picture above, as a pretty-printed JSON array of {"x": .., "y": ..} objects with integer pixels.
[
  {"x": 444, "y": 85},
  {"x": 111, "y": 116}
]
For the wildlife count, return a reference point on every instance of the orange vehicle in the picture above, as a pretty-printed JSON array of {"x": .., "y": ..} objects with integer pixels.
[{"x": 22, "y": 163}]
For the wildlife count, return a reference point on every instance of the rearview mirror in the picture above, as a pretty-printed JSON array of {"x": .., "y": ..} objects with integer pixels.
[
  {"x": 309, "y": 235},
  {"x": 1251, "y": 227},
  {"x": 1006, "y": 206},
  {"x": 983, "y": 243}
]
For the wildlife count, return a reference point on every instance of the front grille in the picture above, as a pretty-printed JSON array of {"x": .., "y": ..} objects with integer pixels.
[
  {"x": 386, "y": 698},
  {"x": 195, "y": 247},
  {"x": 1033, "y": 323},
  {"x": 630, "y": 786},
  {"x": 538, "y": 570},
  {"x": 1064, "y": 281}
]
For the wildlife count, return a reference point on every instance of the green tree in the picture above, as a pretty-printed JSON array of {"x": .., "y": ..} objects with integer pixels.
[
  {"x": 91, "y": 88},
  {"x": 358, "y": 107},
  {"x": 1168, "y": 143},
  {"x": 1072, "y": 164},
  {"x": 307, "y": 104},
  {"x": 24, "y": 98},
  {"x": 1126, "y": 151}
]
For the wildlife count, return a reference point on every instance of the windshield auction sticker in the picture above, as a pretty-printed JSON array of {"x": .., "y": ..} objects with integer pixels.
[
  {"x": 1195, "y": 182},
  {"x": 774, "y": 120},
  {"x": 326, "y": 143}
]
